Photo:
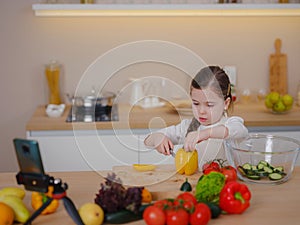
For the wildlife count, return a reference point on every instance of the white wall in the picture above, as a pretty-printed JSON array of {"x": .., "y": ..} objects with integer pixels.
[{"x": 28, "y": 42}]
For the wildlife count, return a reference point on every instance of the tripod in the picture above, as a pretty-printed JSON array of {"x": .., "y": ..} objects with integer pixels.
[{"x": 59, "y": 192}]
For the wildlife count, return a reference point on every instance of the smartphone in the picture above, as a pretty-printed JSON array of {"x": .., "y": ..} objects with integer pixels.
[
  {"x": 31, "y": 173},
  {"x": 28, "y": 155}
]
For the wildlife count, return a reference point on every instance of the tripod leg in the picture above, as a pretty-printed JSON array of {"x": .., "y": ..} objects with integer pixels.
[
  {"x": 38, "y": 211},
  {"x": 71, "y": 209}
]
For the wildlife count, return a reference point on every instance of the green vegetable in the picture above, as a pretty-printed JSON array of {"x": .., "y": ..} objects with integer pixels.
[
  {"x": 275, "y": 176},
  {"x": 124, "y": 216},
  {"x": 262, "y": 170},
  {"x": 214, "y": 209},
  {"x": 209, "y": 187},
  {"x": 186, "y": 186}
]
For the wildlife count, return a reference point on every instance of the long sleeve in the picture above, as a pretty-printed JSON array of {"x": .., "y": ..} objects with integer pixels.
[{"x": 236, "y": 128}]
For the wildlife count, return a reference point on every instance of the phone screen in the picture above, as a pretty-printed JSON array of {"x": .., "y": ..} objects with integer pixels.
[{"x": 28, "y": 156}]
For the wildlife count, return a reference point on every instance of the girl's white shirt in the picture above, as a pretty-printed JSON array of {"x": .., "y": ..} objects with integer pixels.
[
  {"x": 234, "y": 124},
  {"x": 209, "y": 149}
]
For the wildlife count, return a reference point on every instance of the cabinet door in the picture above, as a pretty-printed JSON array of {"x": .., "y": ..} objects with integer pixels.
[{"x": 82, "y": 153}]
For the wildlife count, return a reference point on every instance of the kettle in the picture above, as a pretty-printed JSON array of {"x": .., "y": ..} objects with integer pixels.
[{"x": 139, "y": 88}]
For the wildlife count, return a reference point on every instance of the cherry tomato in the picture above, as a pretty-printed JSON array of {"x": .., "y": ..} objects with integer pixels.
[
  {"x": 188, "y": 206},
  {"x": 163, "y": 204},
  {"x": 209, "y": 167},
  {"x": 177, "y": 217},
  {"x": 177, "y": 203},
  {"x": 230, "y": 173},
  {"x": 154, "y": 216},
  {"x": 187, "y": 196},
  {"x": 201, "y": 215}
]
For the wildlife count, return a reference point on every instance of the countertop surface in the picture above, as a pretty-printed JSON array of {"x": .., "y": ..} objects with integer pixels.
[
  {"x": 254, "y": 114},
  {"x": 270, "y": 204}
]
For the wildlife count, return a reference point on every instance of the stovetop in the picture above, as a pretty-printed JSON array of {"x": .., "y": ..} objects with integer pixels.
[{"x": 93, "y": 114}]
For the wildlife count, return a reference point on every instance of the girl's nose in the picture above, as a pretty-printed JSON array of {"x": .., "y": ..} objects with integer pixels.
[{"x": 201, "y": 109}]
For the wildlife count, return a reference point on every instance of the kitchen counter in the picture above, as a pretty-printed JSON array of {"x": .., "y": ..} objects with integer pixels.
[
  {"x": 270, "y": 204},
  {"x": 254, "y": 114}
]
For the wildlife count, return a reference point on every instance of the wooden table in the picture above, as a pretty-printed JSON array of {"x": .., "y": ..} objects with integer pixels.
[{"x": 270, "y": 204}]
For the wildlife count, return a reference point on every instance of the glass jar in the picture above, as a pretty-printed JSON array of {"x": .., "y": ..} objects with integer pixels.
[{"x": 52, "y": 73}]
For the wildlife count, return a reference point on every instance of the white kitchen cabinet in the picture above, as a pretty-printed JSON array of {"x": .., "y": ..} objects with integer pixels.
[
  {"x": 62, "y": 151},
  {"x": 90, "y": 150}
]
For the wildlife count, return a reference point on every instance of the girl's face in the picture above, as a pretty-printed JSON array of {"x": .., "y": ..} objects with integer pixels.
[{"x": 207, "y": 106}]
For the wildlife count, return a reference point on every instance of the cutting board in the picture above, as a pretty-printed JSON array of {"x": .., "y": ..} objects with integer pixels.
[
  {"x": 278, "y": 70},
  {"x": 163, "y": 181}
]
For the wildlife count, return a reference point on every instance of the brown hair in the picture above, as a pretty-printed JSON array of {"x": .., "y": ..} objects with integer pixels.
[{"x": 215, "y": 78}]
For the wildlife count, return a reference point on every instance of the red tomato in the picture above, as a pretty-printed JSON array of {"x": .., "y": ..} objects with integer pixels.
[
  {"x": 187, "y": 196},
  {"x": 209, "y": 167},
  {"x": 230, "y": 173},
  {"x": 163, "y": 204},
  {"x": 188, "y": 206},
  {"x": 201, "y": 215},
  {"x": 177, "y": 217},
  {"x": 177, "y": 203},
  {"x": 154, "y": 216}
]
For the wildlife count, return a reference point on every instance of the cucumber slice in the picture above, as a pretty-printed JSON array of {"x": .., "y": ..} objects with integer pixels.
[
  {"x": 275, "y": 176},
  {"x": 254, "y": 177},
  {"x": 262, "y": 173},
  {"x": 268, "y": 169},
  {"x": 260, "y": 166},
  {"x": 265, "y": 163},
  {"x": 247, "y": 166},
  {"x": 254, "y": 168},
  {"x": 278, "y": 169},
  {"x": 242, "y": 171}
]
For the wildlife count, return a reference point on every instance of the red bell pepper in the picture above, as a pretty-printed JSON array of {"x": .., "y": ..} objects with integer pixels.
[{"x": 235, "y": 197}]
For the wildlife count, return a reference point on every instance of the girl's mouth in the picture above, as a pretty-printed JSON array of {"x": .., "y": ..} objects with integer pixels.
[{"x": 202, "y": 120}]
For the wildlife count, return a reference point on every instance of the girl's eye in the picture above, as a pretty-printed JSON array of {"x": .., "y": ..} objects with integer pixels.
[
  {"x": 195, "y": 103},
  {"x": 210, "y": 104}
]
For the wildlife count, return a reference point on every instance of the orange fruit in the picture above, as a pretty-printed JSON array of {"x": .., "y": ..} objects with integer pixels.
[
  {"x": 146, "y": 196},
  {"x": 7, "y": 215}
]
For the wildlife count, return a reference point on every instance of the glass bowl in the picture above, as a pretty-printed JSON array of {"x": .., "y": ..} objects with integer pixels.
[{"x": 263, "y": 159}]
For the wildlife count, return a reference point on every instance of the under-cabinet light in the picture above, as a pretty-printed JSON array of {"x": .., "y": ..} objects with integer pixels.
[{"x": 166, "y": 9}]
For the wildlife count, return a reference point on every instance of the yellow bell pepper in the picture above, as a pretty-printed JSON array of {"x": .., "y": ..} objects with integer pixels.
[
  {"x": 38, "y": 199},
  {"x": 186, "y": 162}
]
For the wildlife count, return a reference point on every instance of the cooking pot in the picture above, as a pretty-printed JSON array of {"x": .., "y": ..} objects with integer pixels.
[{"x": 89, "y": 101}]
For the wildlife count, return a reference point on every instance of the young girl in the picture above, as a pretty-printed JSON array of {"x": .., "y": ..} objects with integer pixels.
[{"x": 211, "y": 98}]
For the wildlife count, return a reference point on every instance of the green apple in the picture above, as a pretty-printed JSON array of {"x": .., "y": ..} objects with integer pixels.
[
  {"x": 268, "y": 103},
  {"x": 274, "y": 97},
  {"x": 279, "y": 107},
  {"x": 287, "y": 100},
  {"x": 91, "y": 214}
]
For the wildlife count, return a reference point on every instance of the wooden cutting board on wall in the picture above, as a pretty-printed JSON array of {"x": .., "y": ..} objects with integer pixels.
[{"x": 278, "y": 70}]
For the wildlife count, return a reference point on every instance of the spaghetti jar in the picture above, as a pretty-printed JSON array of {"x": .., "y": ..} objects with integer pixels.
[{"x": 52, "y": 72}]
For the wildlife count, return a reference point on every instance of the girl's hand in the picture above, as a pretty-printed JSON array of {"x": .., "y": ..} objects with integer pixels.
[
  {"x": 164, "y": 145},
  {"x": 160, "y": 142},
  {"x": 193, "y": 138}
]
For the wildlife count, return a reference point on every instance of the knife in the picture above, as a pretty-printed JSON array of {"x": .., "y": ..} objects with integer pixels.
[{"x": 172, "y": 153}]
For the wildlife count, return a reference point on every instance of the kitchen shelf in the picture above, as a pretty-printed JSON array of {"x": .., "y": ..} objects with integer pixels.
[{"x": 166, "y": 10}]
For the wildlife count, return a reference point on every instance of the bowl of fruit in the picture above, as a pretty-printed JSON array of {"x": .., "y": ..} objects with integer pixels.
[
  {"x": 263, "y": 158},
  {"x": 279, "y": 104}
]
